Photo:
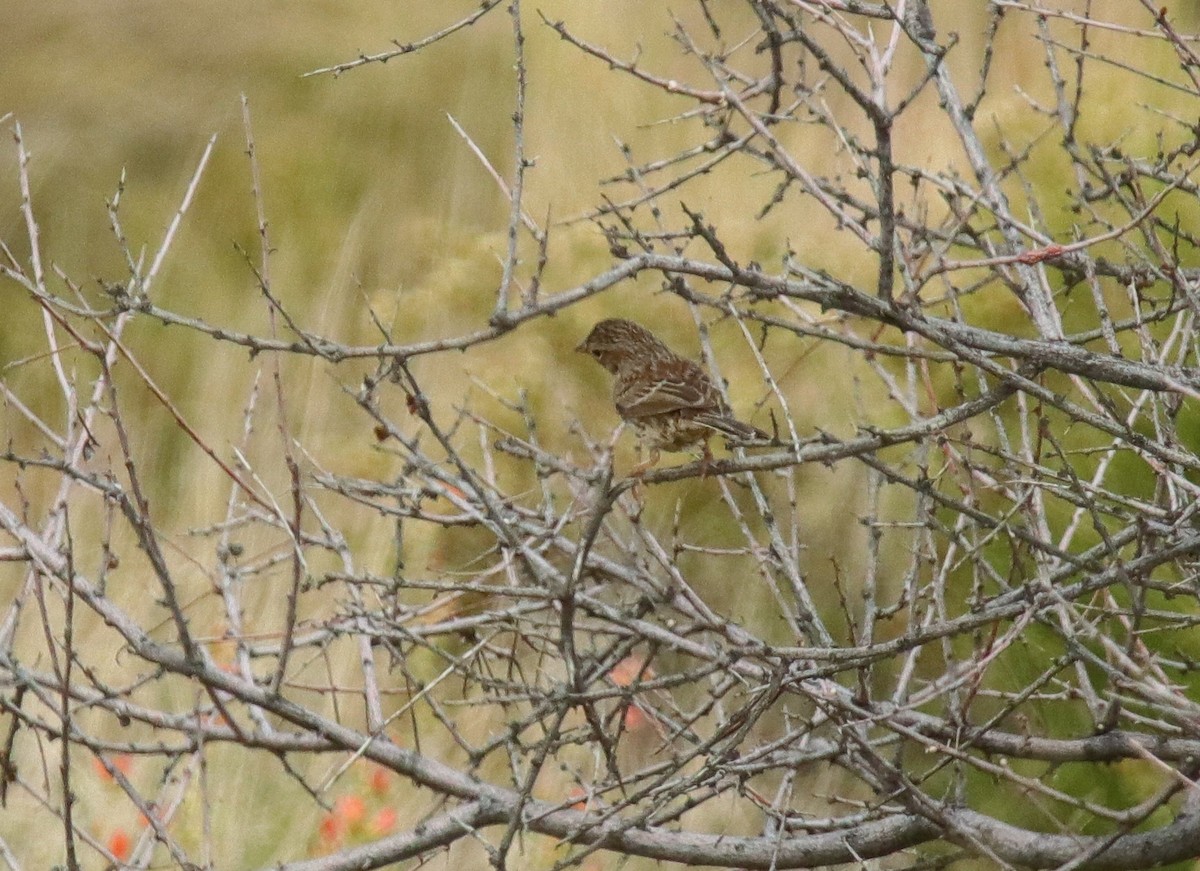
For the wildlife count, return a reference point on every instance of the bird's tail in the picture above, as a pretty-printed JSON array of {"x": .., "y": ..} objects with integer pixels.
[{"x": 731, "y": 427}]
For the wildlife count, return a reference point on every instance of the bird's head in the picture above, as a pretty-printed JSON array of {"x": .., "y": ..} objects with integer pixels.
[{"x": 615, "y": 341}]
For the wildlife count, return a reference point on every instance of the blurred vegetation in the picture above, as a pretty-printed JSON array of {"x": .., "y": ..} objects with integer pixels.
[{"x": 375, "y": 202}]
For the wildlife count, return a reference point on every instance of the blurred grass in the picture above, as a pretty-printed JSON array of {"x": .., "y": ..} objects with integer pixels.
[{"x": 373, "y": 199}]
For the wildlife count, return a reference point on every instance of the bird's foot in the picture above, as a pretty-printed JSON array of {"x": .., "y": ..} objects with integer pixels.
[{"x": 642, "y": 468}]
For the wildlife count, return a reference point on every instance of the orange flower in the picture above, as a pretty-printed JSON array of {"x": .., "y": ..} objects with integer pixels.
[
  {"x": 636, "y": 718},
  {"x": 383, "y": 821},
  {"x": 123, "y": 762},
  {"x": 350, "y": 809},
  {"x": 380, "y": 780},
  {"x": 120, "y": 844},
  {"x": 630, "y": 669},
  {"x": 330, "y": 830},
  {"x": 578, "y": 793}
]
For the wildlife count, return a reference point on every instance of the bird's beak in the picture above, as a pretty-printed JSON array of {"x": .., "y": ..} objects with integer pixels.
[{"x": 579, "y": 349}]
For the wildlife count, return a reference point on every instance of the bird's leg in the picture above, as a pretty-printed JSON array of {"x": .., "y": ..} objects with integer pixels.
[
  {"x": 636, "y": 474},
  {"x": 641, "y": 468},
  {"x": 705, "y": 459},
  {"x": 639, "y": 502}
]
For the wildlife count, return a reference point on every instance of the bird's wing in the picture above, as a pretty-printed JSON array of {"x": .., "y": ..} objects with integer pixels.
[
  {"x": 730, "y": 426},
  {"x": 664, "y": 387}
]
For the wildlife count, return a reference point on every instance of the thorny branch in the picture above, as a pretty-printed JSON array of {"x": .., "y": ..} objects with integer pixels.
[{"x": 1008, "y": 607}]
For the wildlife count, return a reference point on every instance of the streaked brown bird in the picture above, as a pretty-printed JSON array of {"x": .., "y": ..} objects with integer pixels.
[{"x": 669, "y": 399}]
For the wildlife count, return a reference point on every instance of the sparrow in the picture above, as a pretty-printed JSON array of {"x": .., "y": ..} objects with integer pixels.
[{"x": 670, "y": 400}]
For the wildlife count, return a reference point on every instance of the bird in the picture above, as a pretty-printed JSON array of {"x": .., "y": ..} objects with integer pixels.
[{"x": 670, "y": 400}]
